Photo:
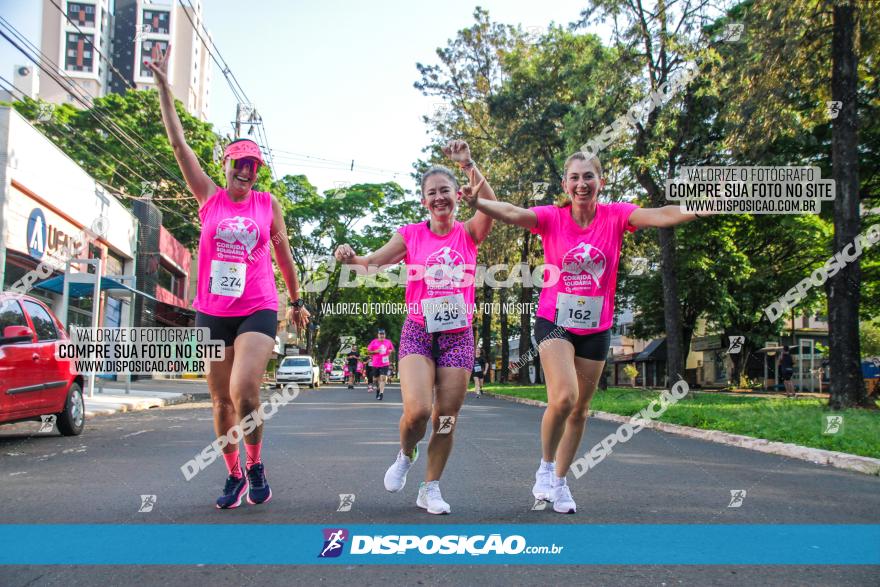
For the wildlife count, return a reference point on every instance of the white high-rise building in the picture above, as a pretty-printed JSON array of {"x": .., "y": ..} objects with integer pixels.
[
  {"x": 143, "y": 29},
  {"x": 82, "y": 43},
  {"x": 72, "y": 40}
]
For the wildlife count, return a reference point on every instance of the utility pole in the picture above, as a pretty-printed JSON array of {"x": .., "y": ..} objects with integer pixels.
[{"x": 245, "y": 114}]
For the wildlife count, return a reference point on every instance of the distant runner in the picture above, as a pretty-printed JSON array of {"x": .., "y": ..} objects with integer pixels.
[{"x": 380, "y": 349}]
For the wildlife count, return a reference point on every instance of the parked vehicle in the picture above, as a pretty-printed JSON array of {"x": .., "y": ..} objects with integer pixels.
[
  {"x": 300, "y": 369},
  {"x": 337, "y": 375},
  {"x": 33, "y": 383}
]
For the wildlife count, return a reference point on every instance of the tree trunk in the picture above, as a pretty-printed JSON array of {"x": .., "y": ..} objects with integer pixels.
[
  {"x": 505, "y": 346},
  {"x": 666, "y": 236},
  {"x": 847, "y": 386},
  {"x": 671, "y": 305},
  {"x": 486, "y": 317}
]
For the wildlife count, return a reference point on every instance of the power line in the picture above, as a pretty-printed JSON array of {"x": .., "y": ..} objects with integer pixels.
[
  {"x": 72, "y": 87},
  {"x": 348, "y": 164},
  {"x": 237, "y": 90},
  {"x": 72, "y": 132}
]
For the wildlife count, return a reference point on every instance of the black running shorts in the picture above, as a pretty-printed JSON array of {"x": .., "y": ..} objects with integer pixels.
[
  {"x": 586, "y": 346},
  {"x": 227, "y": 328}
]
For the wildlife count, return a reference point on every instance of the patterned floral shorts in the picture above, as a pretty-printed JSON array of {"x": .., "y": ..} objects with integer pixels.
[{"x": 455, "y": 350}]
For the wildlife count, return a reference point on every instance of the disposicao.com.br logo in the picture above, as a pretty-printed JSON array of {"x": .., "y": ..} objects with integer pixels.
[{"x": 476, "y": 545}]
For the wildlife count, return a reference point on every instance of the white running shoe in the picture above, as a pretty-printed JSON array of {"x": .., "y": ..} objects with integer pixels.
[
  {"x": 560, "y": 495},
  {"x": 544, "y": 481},
  {"x": 430, "y": 498},
  {"x": 395, "y": 476}
]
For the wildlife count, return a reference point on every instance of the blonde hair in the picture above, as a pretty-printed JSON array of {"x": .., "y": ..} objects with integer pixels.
[{"x": 578, "y": 156}]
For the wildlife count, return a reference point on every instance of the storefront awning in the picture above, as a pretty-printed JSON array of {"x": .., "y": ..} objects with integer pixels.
[
  {"x": 655, "y": 351},
  {"x": 79, "y": 290}
]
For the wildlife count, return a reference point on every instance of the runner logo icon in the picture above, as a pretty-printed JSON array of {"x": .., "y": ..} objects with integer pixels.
[
  {"x": 446, "y": 423},
  {"x": 334, "y": 540},
  {"x": 47, "y": 423}
]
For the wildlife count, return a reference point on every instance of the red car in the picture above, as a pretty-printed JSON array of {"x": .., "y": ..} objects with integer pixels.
[{"x": 33, "y": 383}]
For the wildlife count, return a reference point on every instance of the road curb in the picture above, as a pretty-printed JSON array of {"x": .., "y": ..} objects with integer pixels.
[
  {"x": 137, "y": 405},
  {"x": 819, "y": 456}
]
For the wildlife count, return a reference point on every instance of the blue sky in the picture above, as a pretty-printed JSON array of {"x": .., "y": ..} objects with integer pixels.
[{"x": 332, "y": 79}]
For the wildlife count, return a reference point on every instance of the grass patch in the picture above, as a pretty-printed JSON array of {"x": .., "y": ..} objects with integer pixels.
[{"x": 800, "y": 421}]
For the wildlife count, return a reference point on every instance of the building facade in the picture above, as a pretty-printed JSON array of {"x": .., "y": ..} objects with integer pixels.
[
  {"x": 45, "y": 216},
  {"x": 74, "y": 41},
  {"x": 143, "y": 29},
  {"x": 101, "y": 47}
]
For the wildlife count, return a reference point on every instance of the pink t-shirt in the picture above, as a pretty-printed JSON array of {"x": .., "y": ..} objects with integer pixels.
[
  {"x": 235, "y": 260},
  {"x": 328, "y": 367},
  {"x": 439, "y": 266},
  {"x": 385, "y": 348},
  {"x": 586, "y": 257}
]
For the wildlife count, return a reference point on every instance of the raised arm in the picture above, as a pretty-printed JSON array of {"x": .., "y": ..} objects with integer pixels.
[
  {"x": 390, "y": 253},
  {"x": 200, "y": 184},
  {"x": 662, "y": 217},
  {"x": 503, "y": 211},
  {"x": 480, "y": 224}
]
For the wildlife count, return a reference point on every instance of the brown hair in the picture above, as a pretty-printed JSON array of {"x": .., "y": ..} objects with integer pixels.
[
  {"x": 439, "y": 170},
  {"x": 578, "y": 156}
]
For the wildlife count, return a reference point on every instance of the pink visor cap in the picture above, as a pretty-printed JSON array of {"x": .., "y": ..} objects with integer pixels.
[{"x": 243, "y": 150}]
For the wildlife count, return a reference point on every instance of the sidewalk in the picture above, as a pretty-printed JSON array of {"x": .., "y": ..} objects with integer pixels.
[
  {"x": 112, "y": 399},
  {"x": 839, "y": 460}
]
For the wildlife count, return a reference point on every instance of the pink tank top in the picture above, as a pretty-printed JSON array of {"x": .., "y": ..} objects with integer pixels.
[
  {"x": 235, "y": 257},
  {"x": 439, "y": 266},
  {"x": 586, "y": 260}
]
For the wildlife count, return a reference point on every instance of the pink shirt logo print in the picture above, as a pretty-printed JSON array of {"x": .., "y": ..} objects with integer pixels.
[
  {"x": 238, "y": 229},
  {"x": 584, "y": 263},
  {"x": 444, "y": 269}
]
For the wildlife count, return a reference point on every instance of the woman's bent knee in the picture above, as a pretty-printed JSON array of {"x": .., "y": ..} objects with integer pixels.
[{"x": 416, "y": 417}]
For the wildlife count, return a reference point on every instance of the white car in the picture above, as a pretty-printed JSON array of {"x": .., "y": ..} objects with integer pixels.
[
  {"x": 300, "y": 369},
  {"x": 336, "y": 376}
]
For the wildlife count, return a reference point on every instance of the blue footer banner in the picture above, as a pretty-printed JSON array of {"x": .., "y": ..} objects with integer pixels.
[{"x": 279, "y": 544}]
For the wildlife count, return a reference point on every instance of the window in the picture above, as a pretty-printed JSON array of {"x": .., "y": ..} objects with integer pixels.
[
  {"x": 720, "y": 366},
  {"x": 296, "y": 362},
  {"x": 155, "y": 21},
  {"x": 115, "y": 265},
  {"x": 43, "y": 323},
  {"x": 78, "y": 52},
  {"x": 151, "y": 49},
  {"x": 81, "y": 13},
  {"x": 172, "y": 281},
  {"x": 11, "y": 314}
]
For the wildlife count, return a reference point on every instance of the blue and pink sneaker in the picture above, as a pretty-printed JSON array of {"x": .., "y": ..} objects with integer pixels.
[
  {"x": 260, "y": 492},
  {"x": 233, "y": 491}
]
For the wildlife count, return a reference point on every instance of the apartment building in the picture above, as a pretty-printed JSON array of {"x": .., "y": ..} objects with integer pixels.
[{"x": 101, "y": 46}]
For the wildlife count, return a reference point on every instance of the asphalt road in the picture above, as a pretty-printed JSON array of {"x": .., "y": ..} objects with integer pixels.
[{"x": 334, "y": 441}]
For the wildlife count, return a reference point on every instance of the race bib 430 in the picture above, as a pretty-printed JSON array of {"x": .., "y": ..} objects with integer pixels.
[{"x": 444, "y": 313}]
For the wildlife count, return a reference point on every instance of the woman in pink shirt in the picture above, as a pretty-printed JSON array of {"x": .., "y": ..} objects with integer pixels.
[
  {"x": 328, "y": 368},
  {"x": 436, "y": 348},
  {"x": 582, "y": 240},
  {"x": 236, "y": 298}
]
